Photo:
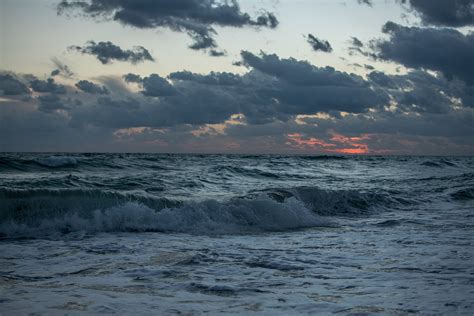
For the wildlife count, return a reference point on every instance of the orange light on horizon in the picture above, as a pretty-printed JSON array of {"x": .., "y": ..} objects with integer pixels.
[{"x": 350, "y": 145}]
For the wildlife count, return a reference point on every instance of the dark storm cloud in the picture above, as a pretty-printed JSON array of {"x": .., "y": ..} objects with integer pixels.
[
  {"x": 106, "y": 52},
  {"x": 453, "y": 13},
  {"x": 91, "y": 87},
  {"x": 47, "y": 85},
  {"x": 194, "y": 17},
  {"x": 11, "y": 86},
  {"x": 444, "y": 50},
  {"x": 319, "y": 44}
]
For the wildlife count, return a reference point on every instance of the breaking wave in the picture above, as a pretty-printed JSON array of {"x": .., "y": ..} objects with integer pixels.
[{"x": 35, "y": 213}]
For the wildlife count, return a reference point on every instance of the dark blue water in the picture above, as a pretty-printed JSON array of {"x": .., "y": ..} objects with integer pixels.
[{"x": 233, "y": 233}]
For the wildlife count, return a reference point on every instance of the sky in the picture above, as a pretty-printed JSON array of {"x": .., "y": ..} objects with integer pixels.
[{"x": 267, "y": 76}]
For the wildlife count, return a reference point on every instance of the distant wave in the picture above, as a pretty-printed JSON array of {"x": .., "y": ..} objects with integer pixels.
[
  {"x": 57, "y": 161},
  {"x": 244, "y": 171},
  {"x": 463, "y": 194},
  {"x": 48, "y": 162},
  {"x": 323, "y": 157},
  {"x": 35, "y": 213},
  {"x": 438, "y": 163}
]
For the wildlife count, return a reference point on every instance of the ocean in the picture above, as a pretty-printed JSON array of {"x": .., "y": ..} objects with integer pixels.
[{"x": 160, "y": 234}]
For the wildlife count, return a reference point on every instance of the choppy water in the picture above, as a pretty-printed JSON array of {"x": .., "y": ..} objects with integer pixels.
[{"x": 166, "y": 234}]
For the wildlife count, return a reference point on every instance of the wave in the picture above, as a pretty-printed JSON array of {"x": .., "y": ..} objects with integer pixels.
[
  {"x": 438, "y": 164},
  {"x": 244, "y": 171},
  {"x": 332, "y": 202},
  {"x": 33, "y": 204},
  {"x": 33, "y": 163},
  {"x": 39, "y": 163},
  {"x": 57, "y": 161},
  {"x": 323, "y": 157},
  {"x": 208, "y": 217},
  {"x": 35, "y": 213},
  {"x": 463, "y": 194}
]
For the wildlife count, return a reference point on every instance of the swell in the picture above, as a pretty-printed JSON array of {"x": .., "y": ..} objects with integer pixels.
[
  {"x": 463, "y": 194},
  {"x": 243, "y": 171},
  {"x": 35, "y": 213},
  {"x": 38, "y": 163},
  {"x": 439, "y": 163},
  {"x": 334, "y": 202},
  {"x": 31, "y": 205},
  {"x": 62, "y": 162}
]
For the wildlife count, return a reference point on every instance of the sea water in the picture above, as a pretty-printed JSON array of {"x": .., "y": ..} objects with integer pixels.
[{"x": 155, "y": 234}]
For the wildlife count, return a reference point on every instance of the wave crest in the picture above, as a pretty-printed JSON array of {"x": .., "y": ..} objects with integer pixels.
[
  {"x": 208, "y": 217},
  {"x": 34, "y": 213}
]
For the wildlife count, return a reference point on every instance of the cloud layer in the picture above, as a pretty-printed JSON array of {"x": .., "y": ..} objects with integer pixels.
[
  {"x": 279, "y": 105},
  {"x": 412, "y": 93}
]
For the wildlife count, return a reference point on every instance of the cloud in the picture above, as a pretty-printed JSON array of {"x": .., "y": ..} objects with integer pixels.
[
  {"x": 47, "y": 86},
  {"x": 156, "y": 86},
  {"x": 91, "y": 87},
  {"x": 444, "y": 50},
  {"x": 216, "y": 53},
  {"x": 453, "y": 13},
  {"x": 357, "y": 47},
  {"x": 107, "y": 112},
  {"x": 356, "y": 42},
  {"x": 61, "y": 68},
  {"x": 50, "y": 103},
  {"x": 152, "y": 86},
  {"x": 194, "y": 17},
  {"x": 213, "y": 78},
  {"x": 132, "y": 78},
  {"x": 278, "y": 105},
  {"x": 293, "y": 87},
  {"x": 11, "y": 86},
  {"x": 106, "y": 52},
  {"x": 273, "y": 89},
  {"x": 367, "y": 2},
  {"x": 318, "y": 44},
  {"x": 299, "y": 72}
]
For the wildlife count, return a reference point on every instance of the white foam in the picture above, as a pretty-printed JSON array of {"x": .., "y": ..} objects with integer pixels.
[{"x": 208, "y": 217}]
